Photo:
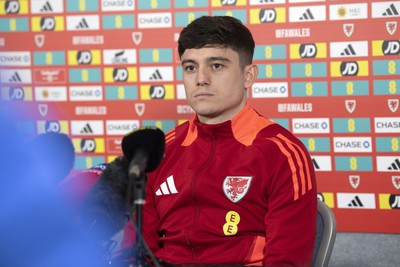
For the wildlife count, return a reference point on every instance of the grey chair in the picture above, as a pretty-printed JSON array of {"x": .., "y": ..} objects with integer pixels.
[{"x": 326, "y": 235}]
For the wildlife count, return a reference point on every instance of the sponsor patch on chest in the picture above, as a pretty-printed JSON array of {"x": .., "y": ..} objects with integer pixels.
[{"x": 236, "y": 187}]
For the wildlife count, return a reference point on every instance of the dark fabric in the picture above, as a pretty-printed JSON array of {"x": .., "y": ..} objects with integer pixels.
[{"x": 318, "y": 237}]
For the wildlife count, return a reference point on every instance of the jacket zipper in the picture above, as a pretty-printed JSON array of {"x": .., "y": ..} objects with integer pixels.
[{"x": 193, "y": 185}]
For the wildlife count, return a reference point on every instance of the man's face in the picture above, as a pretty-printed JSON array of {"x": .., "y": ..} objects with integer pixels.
[{"x": 215, "y": 84}]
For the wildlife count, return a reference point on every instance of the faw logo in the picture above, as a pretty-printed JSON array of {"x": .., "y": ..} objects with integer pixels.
[{"x": 236, "y": 187}]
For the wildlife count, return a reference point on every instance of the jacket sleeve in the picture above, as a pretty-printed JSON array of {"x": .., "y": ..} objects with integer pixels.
[{"x": 292, "y": 206}]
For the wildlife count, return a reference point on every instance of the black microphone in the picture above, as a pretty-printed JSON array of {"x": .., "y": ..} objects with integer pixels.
[
  {"x": 106, "y": 208},
  {"x": 145, "y": 146}
]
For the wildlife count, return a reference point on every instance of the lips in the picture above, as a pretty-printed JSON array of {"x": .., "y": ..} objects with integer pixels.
[{"x": 202, "y": 94}]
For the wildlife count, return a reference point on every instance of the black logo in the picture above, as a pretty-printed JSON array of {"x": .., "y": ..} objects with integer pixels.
[
  {"x": 267, "y": 15},
  {"x": 120, "y": 74},
  {"x": 228, "y": 2},
  {"x": 156, "y": 75},
  {"x": 87, "y": 129},
  {"x": 12, "y": 7},
  {"x": 316, "y": 166},
  {"x": 84, "y": 57},
  {"x": 52, "y": 126},
  {"x": 82, "y": 24},
  {"x": 308, "y": 50},
  {"x": 391, "y": 47},
  {"x": 157, "y": 92},
  {"x": 394, "y": 201},
  {"x": 395, "y": 166},
  {"x": 348, "y": 51},
  {"x": 88, "y": 145},
  {"x": 46, "y": 7},
  {"x": 307, "y": 15},
  {"x": 391, "y": 11},
  {"x": 47, "y": 24},
  {"x": 349, "y": 68},
  {"x": 356, "y": 202},
  {"x": 16, "y": 93},
  {"x": 15, "y": 78}
]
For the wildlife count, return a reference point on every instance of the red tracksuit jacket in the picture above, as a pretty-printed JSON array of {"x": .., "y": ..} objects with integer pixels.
[{"x": 241, "y": 192}]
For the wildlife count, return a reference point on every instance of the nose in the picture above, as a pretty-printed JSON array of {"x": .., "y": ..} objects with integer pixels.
[{"x": 203, "y": 77}]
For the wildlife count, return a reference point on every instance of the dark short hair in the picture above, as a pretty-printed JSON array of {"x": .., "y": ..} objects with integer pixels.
[{"x": 218, "y": 31}]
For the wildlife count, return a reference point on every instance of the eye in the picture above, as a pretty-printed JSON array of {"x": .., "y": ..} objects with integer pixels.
[
  {"x": 189, "y": 68},
  {"x": 217, "y": 66}
]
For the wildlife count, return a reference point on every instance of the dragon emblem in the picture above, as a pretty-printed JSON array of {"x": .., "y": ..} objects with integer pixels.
[{"x": 236, "y": 187}]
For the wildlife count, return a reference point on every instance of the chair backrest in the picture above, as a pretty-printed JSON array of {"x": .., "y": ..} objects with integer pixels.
[{"x": 326, "y": 235}]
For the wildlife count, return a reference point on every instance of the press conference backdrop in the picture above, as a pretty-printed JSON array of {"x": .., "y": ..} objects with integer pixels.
[{"x": 329, "y": 72}]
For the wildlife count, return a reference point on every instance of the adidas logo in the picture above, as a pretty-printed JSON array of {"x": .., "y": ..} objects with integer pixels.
[
  {"x": 391, "y": 11},
  {"x": 307, "y": 15},
  {"x": 356, "y": 202},
  {"x": 15, "y": 78},
  {"x": 46, "y": 7},
  {"x": 348, "y": 51},
  {"x": 167, "y": 187},
  {"x": 316, "y": 166},
  {"x": 395, "y": 165},
  {"x": 156, "y": 75},
  {"x": 82, "y": 24},
  {"x": 87, "y": 129}
]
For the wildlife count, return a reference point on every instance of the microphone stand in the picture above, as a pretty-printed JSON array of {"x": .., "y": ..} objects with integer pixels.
[{"x": 137, "y": 182}]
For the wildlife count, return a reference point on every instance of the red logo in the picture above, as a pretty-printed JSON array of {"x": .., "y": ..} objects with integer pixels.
[
  {"x": 350, "y": 105},
  {"x": 348, "y": 29},
  {"x": 391, "y": 27},
  {"x": 50, "y": 76},
  {"x": 396, "y": 181},
  {"x": 393, "y": 104},
  {"x": 39, "y": 40},
  {"x": 139, "y": 108},
  {"x": 236, "y": 187},
  {"x": 137, "y": 37},
  {"x": 114, "y": 145},
  {"x": 354, "y": 180}
]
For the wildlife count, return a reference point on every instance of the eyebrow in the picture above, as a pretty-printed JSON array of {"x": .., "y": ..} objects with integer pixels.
[{"x": 209, "y": 59}]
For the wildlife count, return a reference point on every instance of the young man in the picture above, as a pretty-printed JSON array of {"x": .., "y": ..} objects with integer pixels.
[{"x": 234, "y": 187}]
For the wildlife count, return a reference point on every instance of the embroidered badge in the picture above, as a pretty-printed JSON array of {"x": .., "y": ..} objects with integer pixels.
[{"x": 236, "y": 187}]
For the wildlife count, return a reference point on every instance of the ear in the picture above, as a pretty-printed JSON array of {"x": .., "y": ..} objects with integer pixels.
[{"x": 250, "y": 75}]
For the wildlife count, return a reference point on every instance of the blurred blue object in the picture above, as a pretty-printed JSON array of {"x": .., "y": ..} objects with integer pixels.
[
  {"x": 36, "y": 226},
  {"x": 51, "y": 156}
]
